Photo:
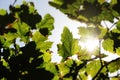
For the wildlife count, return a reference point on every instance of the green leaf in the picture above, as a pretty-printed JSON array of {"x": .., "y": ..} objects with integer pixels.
[
  {"x": 108, "y": 45},
  {"x": 21, "y": 27},
  {"x": 56, "y": 3},
  {"x": 51, "y": 67},
  {"x": 118, "y": 25},
  {"x": 46, "y": 57},
  {"x": 115, "y": 13},
  {"x": 3, "y": 12},
  {"x": 44, "y": 45},
  {"x": 38, "y": 37},
  {"x": 118, "y": 51},
  {"x": 101, "y": 1},
  {"x": 63, "y": 69},
  {"x": 5, "y": 63},
  {"x": 82, "y": 18},
  {"x": 67, "y": 39},
  {"x": 114, "y": 66},
  {"x": 75, "y": 47},
  {"x": 93, "y": 67},
  {"x": 66, "y": 48},
  {"x": 83, "y": 76},
  {"x": 103, "y": 32},
  {"x": 56, "y": 77},
  {"x": 10, "y": 36},
  {"x": 47, "y": 22},
  {"x": 88, "y": 31},
  {"x": 31, "y": 9},
  {"x": 70, "y": 78},
  {"x": 109, "y": 16},
  {"x": 113, "y": 2},
  {"x": 115, "y": 30},
  {"x": 62, "y": 51},
  {"x": 69, "y": 62},
  {"x": 115, "y": 78},
  {"x": 41, "y": 42}
]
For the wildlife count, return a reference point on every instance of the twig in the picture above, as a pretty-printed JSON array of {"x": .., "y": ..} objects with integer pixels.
[
  {"x": 112, "y": 26},
  {"x": 14, "y": 2},
  {"x": 100, "y": 52},
  {"x": 104, "y": 66}
]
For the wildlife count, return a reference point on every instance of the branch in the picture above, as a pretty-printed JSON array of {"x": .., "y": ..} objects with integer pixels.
[
  {"x": 100, "y": 52},
  {"x": 112, "y": 26},
  {"x": 104, "y": 66}
]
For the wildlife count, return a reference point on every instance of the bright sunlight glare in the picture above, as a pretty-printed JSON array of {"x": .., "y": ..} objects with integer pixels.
[{"x": 90, "y": 44}]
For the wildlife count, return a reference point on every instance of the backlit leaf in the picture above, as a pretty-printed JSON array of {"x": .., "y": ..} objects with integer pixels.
[
  {"x": 4, "y": 63},
  {"x": 10, "y": 36},
  {"x": 75, "y": 48},
  {"x": 38, "y": 37},
  {"x": 118, "y": 25},
  {"x": 63, "y": 69},
  {"x": 44, "y": 45},
  {"x": 114, "y": 66},
  {"x": 101, "y": 1},
  {"x": 108, "y": 45},
  {"x": 47, "y": 22},
  {"x": 46, "y": 57},
  {"x": 51, "y": 67},
  {"x": 67, "y": 39},
  {"x": 118, "y": 50},
  {"x": 3, "y": 12},
  {"x": 113, "y": 2},
  {"x": 70, "y": 78},
  {"x": 56, "y": 3},
  {"x": 103, "y": 32},
  {"x": 22, "y": 28},
  {"x": 93, "y": 67},
  {"x": 69, "y": 62}
]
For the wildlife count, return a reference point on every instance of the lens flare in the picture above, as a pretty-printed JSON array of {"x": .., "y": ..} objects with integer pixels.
[{"x": 90, "y": 44}]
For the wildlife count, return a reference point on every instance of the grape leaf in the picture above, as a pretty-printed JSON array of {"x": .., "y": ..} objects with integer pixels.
[
  {"x": 5, "y": 63},
  {"x": 93, "y": 67},
  {"x": 67, "y": 39},
  {"x": 69, "y": 62},
  {"x": 41, "y": 42},
  {"x": 3, "y": 12},
  {"x": 75, "y": 48},
  {"x": 113, "y": 2},
  {"x": 118, "y": 25},
  {"x": 38, "y": 37},
  {"x": 114, "y": 66},
  {"x": 118, "y": 51},
  {"x": 63, "y": 69},
  {"x": 108, "y": 45},
  {"x": 21, "y": 27},
  {"x": 115, "y": 30},
  {"x": 10, "y": 36},
  {"x": 101, "y": 1},
  {"x": 70, "y": 78},
  {"x": 103, "y": 32},
  {"x": 46, "y": 57},
  {"x": 56, "y": 3},
  {"x": 51, "y": 67},
  {"x": 47, "y": 22},
  {"x": 44, "y": 45}
]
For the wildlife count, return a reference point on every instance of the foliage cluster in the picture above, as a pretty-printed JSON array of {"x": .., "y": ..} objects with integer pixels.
[{"x": 33, "y": 60}]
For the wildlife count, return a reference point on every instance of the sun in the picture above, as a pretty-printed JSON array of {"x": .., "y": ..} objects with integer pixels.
[{"x": 90, "y": 44}]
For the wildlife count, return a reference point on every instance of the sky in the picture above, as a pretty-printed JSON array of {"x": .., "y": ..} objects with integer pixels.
[{"x": 61, "y": 20}]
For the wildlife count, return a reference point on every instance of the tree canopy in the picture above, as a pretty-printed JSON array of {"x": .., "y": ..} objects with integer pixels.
[{"x": 33, "y": 60}]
